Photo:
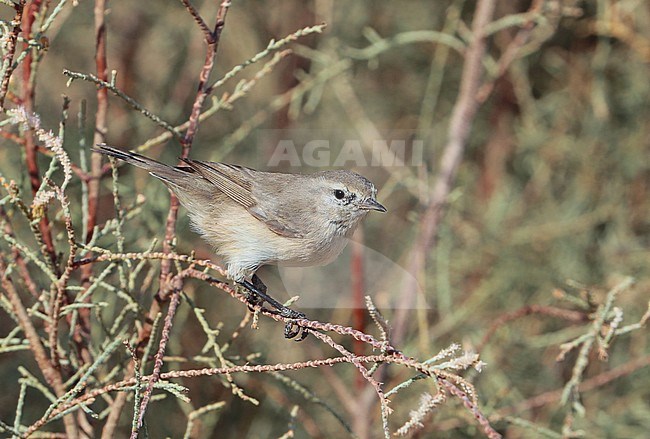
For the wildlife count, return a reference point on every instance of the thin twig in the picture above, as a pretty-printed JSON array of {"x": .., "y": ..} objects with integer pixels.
[
  {"x": 155, "y": 375},
  {"x": 128, "y": 99},
  {"x": 217, "y": 105},
  {"x": 207, "y": 33},
  {"x": 472, "y": 407}
]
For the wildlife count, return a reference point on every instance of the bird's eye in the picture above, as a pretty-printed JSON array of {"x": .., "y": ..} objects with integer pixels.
[{"x": 339, "y": 194}]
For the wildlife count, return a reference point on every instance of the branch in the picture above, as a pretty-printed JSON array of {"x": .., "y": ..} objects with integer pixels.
[
  {"x": 10, "y": 50},
  {"x": 212, "y": 38},
  {"x": 100, "y": 116},
  {"x": 155, "y": 375},
  {"x": 28, "y": 71},
  {"x": 186, "y": 141},
  {"x": 199, "y": 20},
  {"x": 459, "y": 129},
  {"x": 52, "y": 376},
  {"x": 128, "y": 384}
]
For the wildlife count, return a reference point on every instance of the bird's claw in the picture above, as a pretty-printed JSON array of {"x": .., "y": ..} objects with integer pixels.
[
  {"x": 299, "y": 331},
  {"x": 291, "y": 314},
  {"x": 292, "y": 329}
]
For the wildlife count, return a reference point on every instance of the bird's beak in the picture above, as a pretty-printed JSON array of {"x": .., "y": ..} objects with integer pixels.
[{"x": 372, "y": 204}]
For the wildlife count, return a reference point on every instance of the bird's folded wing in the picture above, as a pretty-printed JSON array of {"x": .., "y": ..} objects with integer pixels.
[
  {"x": 277, "y": 226},
  {"x": 234, "y": 181},
  {"x": 237, "y": 183}
]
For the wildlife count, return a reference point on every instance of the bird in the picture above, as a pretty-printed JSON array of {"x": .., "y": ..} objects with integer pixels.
[{"x": 253, "y": 218}]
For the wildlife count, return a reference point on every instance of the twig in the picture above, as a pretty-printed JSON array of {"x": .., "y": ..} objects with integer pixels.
[
  {"x": 186, "y": 142},
  {"x": 216, "y": 104},
  {"x": 207, "y": 33},
  {"x": 354, "y": 359},
  {"x": 62, "y": 283},
  {"x": 263, "y": 368},
  {"x": 100, "y": 118},
  {"x": 471, "y": 406},
  {"x": 128, "y": 99},
  {"x": 177, "y": 283},
  {"x": 312, "y": 324},
  {"x": 212, "y": 38},
  {"x": 570, "y": 393},
  {"x": 273, "y": 46}
]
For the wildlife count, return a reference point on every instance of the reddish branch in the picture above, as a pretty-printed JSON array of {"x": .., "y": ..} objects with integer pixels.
[
  {"x": 10, "y": 50},
  {"x": 81, "y": 332},
  {"x": 91, "y": 395},
  {"x": 472, "y": 407},
  {"x": 30, "y": 145},
  {"x": 460, "y": 125},
  {"x": 100, "y": 116},
  {"x": 212, "y": 38},
  {"x": 358, "y": 292}
]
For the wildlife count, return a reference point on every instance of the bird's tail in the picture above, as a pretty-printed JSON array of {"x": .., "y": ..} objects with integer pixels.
[{"x": 168, "y": 174}]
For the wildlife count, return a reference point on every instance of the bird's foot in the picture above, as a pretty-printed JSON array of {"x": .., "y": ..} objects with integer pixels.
[
  {"x": 295, "y": 331},
  {"x": 256, "y": 295},
  {"x": 292, "y": 329}
]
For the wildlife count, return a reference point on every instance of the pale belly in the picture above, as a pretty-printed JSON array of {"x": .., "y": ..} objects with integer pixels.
[{"x": 254, "y": 245}]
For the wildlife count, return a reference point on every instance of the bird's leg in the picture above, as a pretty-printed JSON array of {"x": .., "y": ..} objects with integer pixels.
[
  {"x": 254, "y": 298},
  {"x": 258, "y": 289}
]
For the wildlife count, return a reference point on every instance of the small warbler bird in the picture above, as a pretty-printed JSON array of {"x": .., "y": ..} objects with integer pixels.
[{"x": 253, "y": 218}]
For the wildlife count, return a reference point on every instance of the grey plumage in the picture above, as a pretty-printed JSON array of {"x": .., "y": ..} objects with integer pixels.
[{"x": 254, "y": 218}]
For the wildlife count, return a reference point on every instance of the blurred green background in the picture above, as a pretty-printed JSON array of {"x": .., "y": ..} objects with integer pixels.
[{"x": 552, "y": 198}]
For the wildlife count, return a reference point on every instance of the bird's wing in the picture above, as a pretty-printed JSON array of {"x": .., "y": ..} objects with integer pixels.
[
  {"x": 234, "y": 181},
  {"x": 276, "y": 225},
  {"x": 238, "y": 182}
]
